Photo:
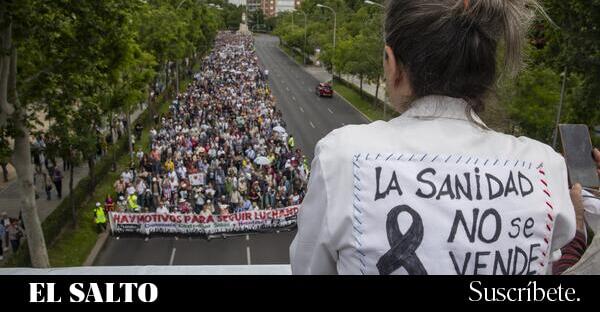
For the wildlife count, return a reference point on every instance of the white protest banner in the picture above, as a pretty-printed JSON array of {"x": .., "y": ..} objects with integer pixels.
[
  {"x": 433, "y": 214},
  {"x": 196, "y": 179},
  {"x": 176, "y": 223}
]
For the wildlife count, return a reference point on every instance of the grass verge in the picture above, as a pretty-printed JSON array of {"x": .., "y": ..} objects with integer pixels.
[
  {"x": 298, "y": 58},
  {"x": 362, "y": 103}
]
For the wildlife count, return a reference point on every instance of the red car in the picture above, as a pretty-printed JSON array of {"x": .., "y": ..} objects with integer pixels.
[{"x": 324, "y": 89}]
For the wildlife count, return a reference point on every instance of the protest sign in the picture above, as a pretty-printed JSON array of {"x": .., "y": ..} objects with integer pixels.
[
  {"x": 431, "y": 214},
  {"x": 176, "y": 223},
  {"x": 196, "y": 179}
]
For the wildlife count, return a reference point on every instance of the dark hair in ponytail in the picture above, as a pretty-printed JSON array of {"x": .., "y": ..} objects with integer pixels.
[{"x": 449, "y": 47}]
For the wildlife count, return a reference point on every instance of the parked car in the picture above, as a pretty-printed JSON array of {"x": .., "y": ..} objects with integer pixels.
[{"x": 324, "y": 89}]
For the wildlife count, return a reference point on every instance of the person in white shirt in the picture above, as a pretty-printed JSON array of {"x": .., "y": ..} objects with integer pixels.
[
  {"x": 207, "y": 209},
  {"x": 435, "y": 191},
  {"x": 139, "y": 155},
  {"x": 127, "y": 176},
  {"x": 140, "y": 187},
  {"x": 130, "y": 189},
  {"x": 181, "y": 172},
  {"x": 162, "y": 209}
]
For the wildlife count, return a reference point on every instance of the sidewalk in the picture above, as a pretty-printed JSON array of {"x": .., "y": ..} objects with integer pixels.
[
  {"x": 12, "y": 175},
  {"x": 9, "y": 193},
  {"x": 318, "y": 72},
  {"x": 323, "y": 75},
  {"x": 367, "y": 87}
]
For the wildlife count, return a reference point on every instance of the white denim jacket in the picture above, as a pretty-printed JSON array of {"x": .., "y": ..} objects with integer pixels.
[{"x": 432, "y": 192}]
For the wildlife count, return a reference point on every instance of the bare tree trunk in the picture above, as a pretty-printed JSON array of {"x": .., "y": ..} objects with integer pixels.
[
  {"x": 6, "y": 108},
  {"x": 114, "y": 142},
  {"x": 33, "y": 226},
  {"x": 361, "y": 85},
  {"x": 129, "y": 136},
  {"x": 176, "y": 77},
  {"x": 167, "y": 76},
  {"x": 91, "y": 165},
  {"x": 22, "y": 157},
  {"x": 150, "y": 106}
]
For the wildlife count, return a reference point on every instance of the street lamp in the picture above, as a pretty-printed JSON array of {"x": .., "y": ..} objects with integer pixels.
[
  {"x": 374, "y": 3},
  {"x": 383, "y": 38},
  {"x": 334, "y": 30},
  {"x": 180, "y": 4},
  {"x": 560, "y": 105},
  {"x": 305, "y": 31}
]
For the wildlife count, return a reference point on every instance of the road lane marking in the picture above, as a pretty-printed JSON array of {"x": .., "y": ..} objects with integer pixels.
[
  {"x": 172, "y": 256},
  {"x": 248, "y": 257},
  {"x": 287, "y": 89},
  {"x": 293, "y": 98},
  {"x": 301, "y": 109},
  {"x": 247, "y": 237},
  {"x": 329, "y": 109},
  {"x": 311, "y": 124}
]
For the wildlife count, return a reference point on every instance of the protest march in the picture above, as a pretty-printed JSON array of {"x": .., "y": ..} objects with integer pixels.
[{"x": 221, "y": 157}]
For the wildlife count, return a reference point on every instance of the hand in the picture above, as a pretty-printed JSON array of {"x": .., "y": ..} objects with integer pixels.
[
  {"x": 596, "y": 154},
  {"x": 577, "y": 200}
]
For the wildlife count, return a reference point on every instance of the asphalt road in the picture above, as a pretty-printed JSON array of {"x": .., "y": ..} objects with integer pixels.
[{"x": 308, "y": 118}]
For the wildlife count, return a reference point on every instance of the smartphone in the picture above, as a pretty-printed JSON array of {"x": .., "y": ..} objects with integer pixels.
[{"x": 577, "y": 150}]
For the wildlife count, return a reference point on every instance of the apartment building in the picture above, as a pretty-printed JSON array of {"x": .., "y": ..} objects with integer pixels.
[{"x": 272, "y": 7}]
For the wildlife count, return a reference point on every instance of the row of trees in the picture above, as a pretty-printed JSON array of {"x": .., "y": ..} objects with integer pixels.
[
  {"x": 359, "y": 39},
  {"x": 524, "y": 106},
  {"x": 75, "y": 64}
]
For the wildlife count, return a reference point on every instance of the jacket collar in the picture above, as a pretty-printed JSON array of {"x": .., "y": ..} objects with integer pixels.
[{"x": 438, "y": 106}]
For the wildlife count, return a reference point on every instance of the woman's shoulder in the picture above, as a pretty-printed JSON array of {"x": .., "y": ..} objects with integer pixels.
[
  {"x": 379, "y": 135},
  {"x": 352, "y": 135},
  {"x": 532, "y": 148}
]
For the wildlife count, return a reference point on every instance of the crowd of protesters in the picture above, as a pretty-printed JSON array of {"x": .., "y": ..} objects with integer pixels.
[
  {"x": 11, "y": 232},
  {"x": 222, "y": 147},
  {"x": 48, "y": 173}
]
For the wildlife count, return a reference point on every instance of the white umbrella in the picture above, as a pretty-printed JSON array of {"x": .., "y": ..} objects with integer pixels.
[
  {"x": 262, "y": 160},
  {"x": 279, "y": 129}
]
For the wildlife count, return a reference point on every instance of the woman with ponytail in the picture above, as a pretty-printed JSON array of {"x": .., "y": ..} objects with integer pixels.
[{"x": 435, "y": 191}]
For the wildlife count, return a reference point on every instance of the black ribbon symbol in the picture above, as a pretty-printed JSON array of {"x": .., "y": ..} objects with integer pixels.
[{"x": 402, "y": 246}]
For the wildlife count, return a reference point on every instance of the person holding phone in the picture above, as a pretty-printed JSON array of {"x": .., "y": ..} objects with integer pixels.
[
  {"x": 596, "y": 153},
  {"x": 435, "y": 191},
  {"x": 582, "y": 199}
]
